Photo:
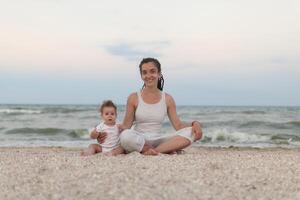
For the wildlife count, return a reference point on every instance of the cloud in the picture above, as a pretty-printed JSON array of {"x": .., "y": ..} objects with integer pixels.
[{"x": 138, "y": 50}]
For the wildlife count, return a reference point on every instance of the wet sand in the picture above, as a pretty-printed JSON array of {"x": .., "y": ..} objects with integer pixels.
[{"x": 200, "y": 173}]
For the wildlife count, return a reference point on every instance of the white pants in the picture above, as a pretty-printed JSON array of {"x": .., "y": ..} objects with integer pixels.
[{"x": 132, "y": 140}]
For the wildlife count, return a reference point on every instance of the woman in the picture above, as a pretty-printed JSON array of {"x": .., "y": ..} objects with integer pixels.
[{"x": 147, "y": 109}]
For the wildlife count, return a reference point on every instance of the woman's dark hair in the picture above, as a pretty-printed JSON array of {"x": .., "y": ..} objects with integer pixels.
[{"x": 160, "y": 83}]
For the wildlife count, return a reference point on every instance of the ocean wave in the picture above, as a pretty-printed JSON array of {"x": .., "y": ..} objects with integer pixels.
[
  {"x": 19, "y": 111},
  {"x": 228, "y": 112},
  {"x": 274, "y": 125},
  {"x": 71, "y": 133},
  {"x": 237, "y": 137},
  {"x": 218, "y": 123},
  {"x": 88, "y": 117},
  {"x": 245, "y": 124},
  {"x": 66, "y": 110},
  {"x": 223, "y": 135},
  {"x": 22, "y": 111},
  {"x": 285, "y": 137},
  {"x": 294, "y": 123},
  {"x": 251, "y": 112}
]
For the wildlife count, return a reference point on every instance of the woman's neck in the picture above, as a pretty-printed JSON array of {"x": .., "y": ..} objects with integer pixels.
[{"x": 151, "y": 90}]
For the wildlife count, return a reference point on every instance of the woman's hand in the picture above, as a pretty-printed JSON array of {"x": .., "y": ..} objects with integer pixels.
[
  {"x": 101, "y": 137},
  {"x": 196, "y": 130}
]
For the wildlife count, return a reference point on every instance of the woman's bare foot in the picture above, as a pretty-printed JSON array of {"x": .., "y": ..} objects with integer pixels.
[
  {"x": 181, "y": 151},
  {"x": 177, "y": 152},
  {"x": 173, "y": 153},
  {"x": 151, "y": 152}
]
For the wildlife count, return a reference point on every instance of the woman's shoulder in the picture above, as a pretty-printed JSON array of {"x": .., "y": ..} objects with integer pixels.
[
  {"x": 169, "y": 99},
  {"x": 133, "y": 95},
  {"x": 168, "y": 95},
  {"x": 132, "y": 98}
]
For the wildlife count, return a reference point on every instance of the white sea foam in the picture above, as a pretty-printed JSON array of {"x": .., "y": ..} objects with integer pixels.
[
  {"x": 21, "y": 111},
  {"x": 223, "y": 135}
]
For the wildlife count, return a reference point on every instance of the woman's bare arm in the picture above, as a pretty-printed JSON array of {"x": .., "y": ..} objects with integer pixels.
[
  {"x": 172, "y": 114},
  {"x": 130, "y": 111},
  {"x": 178, "y": 124}
]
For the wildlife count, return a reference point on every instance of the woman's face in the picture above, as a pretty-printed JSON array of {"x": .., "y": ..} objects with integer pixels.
[{"x": 150, "y": 74}]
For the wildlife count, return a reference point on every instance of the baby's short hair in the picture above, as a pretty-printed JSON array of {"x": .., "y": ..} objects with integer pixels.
[{"x": 107, "y": 103}]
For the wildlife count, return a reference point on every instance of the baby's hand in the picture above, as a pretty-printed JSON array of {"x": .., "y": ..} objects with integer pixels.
[{"x": 94, "y": 134}]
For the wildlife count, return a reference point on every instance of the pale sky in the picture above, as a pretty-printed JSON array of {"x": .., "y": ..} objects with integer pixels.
[{"x": 228, "y": 52}]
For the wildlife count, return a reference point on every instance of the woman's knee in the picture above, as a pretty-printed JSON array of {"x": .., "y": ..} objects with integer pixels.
[
  {"x": 125, "y": 136},
  {"x": 130, "y": 141},
  {"x": 186, "y": 133}
]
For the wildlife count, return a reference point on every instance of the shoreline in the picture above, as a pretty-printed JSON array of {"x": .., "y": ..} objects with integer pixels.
[
  {"x": 189, "y": 149},
  {"x": 199, "y": 173}
]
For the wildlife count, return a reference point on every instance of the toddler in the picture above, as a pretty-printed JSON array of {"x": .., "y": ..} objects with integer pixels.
[{"x": 111, "y": 145}]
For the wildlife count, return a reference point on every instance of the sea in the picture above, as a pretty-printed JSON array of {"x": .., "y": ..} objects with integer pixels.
[{"x": 223, "y": 126}]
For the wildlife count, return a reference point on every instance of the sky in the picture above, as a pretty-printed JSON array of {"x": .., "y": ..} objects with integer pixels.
[{"x": 228, "y": 52}]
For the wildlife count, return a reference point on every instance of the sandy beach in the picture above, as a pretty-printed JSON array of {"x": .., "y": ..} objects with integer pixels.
[{"x": 199, "y": 173}]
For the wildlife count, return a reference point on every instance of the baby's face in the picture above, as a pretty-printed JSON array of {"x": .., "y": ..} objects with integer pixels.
[{"x": 109, "y": 115}]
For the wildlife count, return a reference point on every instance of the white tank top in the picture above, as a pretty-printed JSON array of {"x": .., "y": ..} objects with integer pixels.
[{"x": 149, "y": 117}]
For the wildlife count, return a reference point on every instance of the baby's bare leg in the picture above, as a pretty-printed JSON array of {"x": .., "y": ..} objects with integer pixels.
[
  {"x": 91, "y": 150},
  {"x": 117, "y": 151}
]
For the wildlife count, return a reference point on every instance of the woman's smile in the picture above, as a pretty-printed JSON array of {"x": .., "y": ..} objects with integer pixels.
[{"x": 150, "y": 81}]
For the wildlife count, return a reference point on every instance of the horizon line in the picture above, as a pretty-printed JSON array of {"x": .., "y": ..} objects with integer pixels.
[{"x": 203, "y": 105}]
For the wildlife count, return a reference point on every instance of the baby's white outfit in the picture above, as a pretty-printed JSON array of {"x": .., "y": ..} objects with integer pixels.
[{"x": 112, "y": 140}]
